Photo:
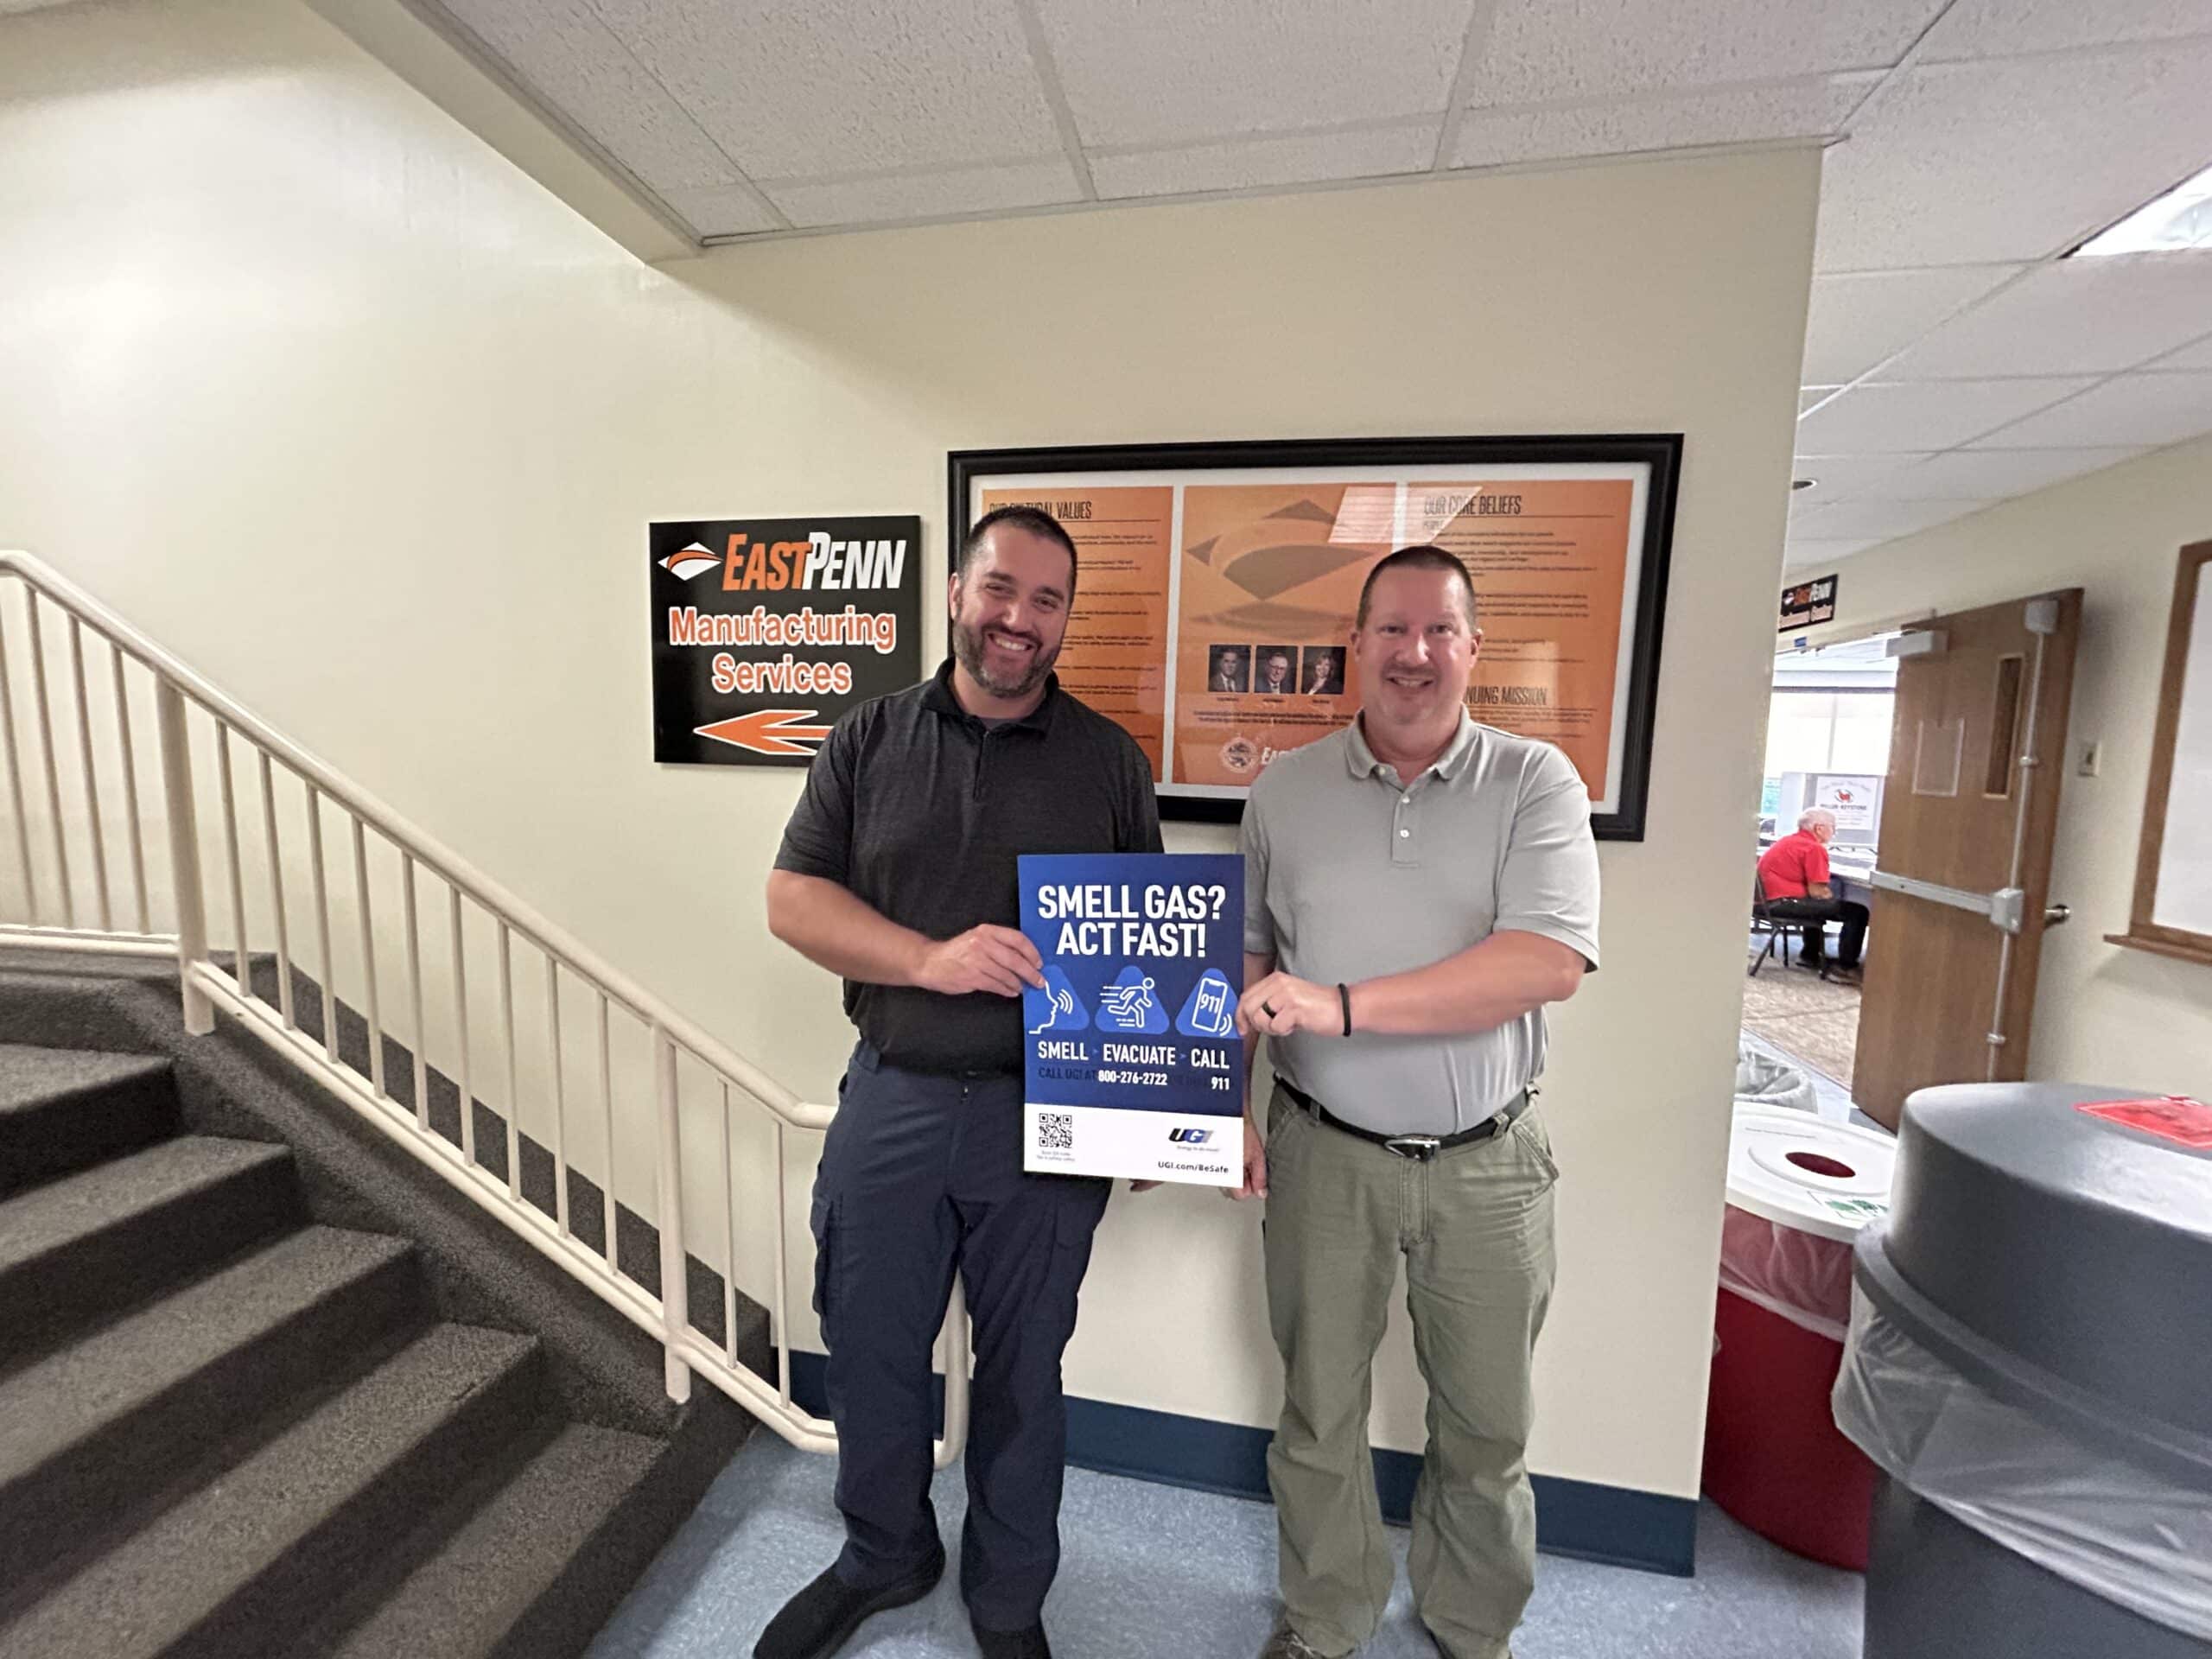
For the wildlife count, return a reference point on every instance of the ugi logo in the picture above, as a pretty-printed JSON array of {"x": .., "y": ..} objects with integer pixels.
[{"x": 1190, "y": 1137}]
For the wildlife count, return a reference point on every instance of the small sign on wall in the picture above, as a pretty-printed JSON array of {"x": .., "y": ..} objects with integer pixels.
[
  {"x": 1856, "y": 801},
  {"x": 765, "y": 630},
  {"x": 1806, "y": 604}
]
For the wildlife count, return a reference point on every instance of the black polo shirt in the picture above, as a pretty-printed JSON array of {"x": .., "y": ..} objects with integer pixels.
[{"x": 921, "y": 809}]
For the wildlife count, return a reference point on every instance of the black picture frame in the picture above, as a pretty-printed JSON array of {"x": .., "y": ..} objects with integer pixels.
[{"x": 1661, "y": 452}]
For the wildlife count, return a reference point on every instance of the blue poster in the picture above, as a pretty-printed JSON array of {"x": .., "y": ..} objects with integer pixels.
[{"x": 1132, "y": 1060}]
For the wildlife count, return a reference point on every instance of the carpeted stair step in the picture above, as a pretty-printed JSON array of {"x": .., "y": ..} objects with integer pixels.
[
  {"x": 90, "y": 1432},
  {"x": 238, "y": 1568},
  {"x": 65, "y": 1108},
  {"x": 76, "y": 1251},
  {"x": 532, "y": 1570}
]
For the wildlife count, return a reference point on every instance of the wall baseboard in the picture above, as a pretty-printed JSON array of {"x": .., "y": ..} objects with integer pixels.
[{"x": 1617, "y": 1525}]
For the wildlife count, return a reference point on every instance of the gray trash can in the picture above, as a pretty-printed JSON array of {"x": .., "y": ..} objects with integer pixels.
[{"x": 2029, "y": 1364}]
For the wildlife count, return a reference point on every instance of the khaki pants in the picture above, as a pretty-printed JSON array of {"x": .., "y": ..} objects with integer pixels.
[{"x": 1474, "y": 1227}]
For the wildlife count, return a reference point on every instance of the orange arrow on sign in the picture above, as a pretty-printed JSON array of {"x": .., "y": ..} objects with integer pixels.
[{"x": 768, "y": 731}]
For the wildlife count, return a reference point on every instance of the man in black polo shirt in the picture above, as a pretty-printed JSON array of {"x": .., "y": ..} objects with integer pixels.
[{"x": 897, "y": 872}]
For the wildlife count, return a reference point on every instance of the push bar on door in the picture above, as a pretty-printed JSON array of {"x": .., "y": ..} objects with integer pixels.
[{"x": 2006, "y": 909}]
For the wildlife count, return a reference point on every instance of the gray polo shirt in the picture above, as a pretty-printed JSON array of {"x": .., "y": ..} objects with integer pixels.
[{"x": 1351, "y": 873}]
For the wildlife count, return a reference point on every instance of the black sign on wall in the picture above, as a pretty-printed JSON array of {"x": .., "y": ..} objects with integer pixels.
[
  {"x": 765, "y": 630},
  {"x": 1808, "y": 604}
]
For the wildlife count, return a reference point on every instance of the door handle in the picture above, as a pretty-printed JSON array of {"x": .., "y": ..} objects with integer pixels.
[
  {"x": 2005, "y": 909},
  {"x": 2057, "y": 915}
]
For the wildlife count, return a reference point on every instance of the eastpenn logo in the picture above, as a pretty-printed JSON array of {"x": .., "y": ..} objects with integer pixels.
[
  {"x": 690, "y": 561},
  {"x": 1190, "y": 1137}
]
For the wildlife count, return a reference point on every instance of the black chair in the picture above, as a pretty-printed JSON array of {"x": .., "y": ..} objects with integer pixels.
[
  {"x": 1777, "y": 930},
  {"x": 1774, "y": 928}
]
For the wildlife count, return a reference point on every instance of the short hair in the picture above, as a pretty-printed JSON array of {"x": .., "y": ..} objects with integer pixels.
[
  {"x": 1424, "y": 558},
  {"x": 1035, "y": 520},
  {"x": 1812, "y": 816}
]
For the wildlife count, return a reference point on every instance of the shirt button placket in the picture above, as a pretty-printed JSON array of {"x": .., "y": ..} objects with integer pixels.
[{"x": 1402, "y": 829}]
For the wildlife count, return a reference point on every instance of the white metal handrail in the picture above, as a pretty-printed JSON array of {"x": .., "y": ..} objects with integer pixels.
[{"x": 177, "y": 689}]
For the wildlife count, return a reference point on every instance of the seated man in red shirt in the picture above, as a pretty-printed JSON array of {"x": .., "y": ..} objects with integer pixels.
[{"x": 1793, "y": 872}]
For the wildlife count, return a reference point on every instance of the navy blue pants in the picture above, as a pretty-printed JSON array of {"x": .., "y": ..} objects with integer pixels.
[{"x": 921, "y": 1177}]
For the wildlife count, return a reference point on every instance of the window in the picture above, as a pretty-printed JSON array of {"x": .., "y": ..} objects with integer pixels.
[{"x": 1829, "y": 731}]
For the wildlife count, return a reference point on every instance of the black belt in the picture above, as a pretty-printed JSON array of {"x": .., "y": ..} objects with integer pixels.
[{"x": 1417, "y": 1147}]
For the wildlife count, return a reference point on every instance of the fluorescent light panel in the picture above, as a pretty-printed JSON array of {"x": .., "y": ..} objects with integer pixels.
[{"x": 2178, "y": 222}]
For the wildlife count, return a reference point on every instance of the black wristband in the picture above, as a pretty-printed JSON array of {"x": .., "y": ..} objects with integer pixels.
[{"x": 1344, "y": 996}]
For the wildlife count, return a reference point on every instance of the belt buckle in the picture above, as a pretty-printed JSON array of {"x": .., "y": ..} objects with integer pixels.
[{"x": 1418, "y": 1147}]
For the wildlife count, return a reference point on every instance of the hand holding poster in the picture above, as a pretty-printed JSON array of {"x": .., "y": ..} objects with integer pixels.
[{"x": 1132, "y": 1061}]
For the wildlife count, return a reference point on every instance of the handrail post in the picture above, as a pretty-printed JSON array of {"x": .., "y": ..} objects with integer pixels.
[
  {"x": 184, "y": 855},
  {"x": 675, "y": 1292}
]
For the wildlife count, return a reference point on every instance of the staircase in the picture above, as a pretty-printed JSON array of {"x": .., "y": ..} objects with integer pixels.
[
  {"x": 307, "y": 1345},
  {"x": 229, "y": 1428}
]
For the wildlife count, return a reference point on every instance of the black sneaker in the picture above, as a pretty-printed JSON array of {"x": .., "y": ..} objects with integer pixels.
[
  {"x": 822, "y": 1617},
  {"x": 1012, "y": 1645}
]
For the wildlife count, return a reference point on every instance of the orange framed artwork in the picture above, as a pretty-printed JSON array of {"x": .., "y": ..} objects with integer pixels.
[{"x": 1219, "y": 583}]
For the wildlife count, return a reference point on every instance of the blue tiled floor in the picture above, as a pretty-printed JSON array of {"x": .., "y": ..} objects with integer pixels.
[{"x": 1155, "y": 1573}]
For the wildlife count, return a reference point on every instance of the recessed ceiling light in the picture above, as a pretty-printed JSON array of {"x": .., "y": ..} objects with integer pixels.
[{"x": 2179, "y": 220}]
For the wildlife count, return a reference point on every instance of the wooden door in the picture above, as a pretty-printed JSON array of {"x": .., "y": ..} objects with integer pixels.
[{"x": 1977, "y": 756}]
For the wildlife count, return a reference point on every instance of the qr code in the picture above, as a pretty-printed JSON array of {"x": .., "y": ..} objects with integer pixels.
[{"x": 1055, "y": 1132}]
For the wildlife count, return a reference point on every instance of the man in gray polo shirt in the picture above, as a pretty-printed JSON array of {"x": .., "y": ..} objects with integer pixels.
[{"x": 1417, "y": 888}]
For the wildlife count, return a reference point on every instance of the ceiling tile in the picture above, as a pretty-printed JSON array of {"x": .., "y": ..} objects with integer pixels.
[
  {"x": 819, "y": 88},
  {"x": 2198, "y": 356},
  {"x": 1720, "y": 115},
  {"x": 1258, "y": 162},
  {"x": 925, "y": 196},
  {"x": 1842, "y": 477},
  {"x": 1883, "y": 519},
  {"x": 1884, "y": 419},
  {"x": 2139, "y": 408},
  {"x": 1542, "y": 49},
  {"x": 2075, "y": 316},
  {"x": 563, "y": 52},
  {"x": 1990, "y": 474},
  {"x": 1856, "y": 321},
  {"x": 1985, "y": 29},
  {"x": 1140, "y": 73},
  {"x": 723, "y": 210},
  {"x": 1959, "y": 163}
]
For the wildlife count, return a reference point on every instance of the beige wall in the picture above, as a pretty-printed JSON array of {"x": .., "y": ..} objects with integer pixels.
[
  {"x": 2103, "y": 1014},
  {"x": 335, "y": 404}
]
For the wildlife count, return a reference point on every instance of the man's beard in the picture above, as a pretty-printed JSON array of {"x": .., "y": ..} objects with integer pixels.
[{"x": 968, "y": 649}]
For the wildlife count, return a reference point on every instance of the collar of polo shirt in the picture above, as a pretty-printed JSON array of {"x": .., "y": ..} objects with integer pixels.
[
  {"x": 939, "y": 696},
  {"x": 1362, "y": 761}
]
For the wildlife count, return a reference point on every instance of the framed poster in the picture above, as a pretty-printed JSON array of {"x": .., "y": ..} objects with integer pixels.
[
  {"x": 765, "y": 630},
  {"x": 2172, "y": 912},
  {"x": 1218, "y": 583}
]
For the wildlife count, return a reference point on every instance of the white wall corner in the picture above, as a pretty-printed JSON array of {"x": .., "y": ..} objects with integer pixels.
[{"x": 465, "y": 83}]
